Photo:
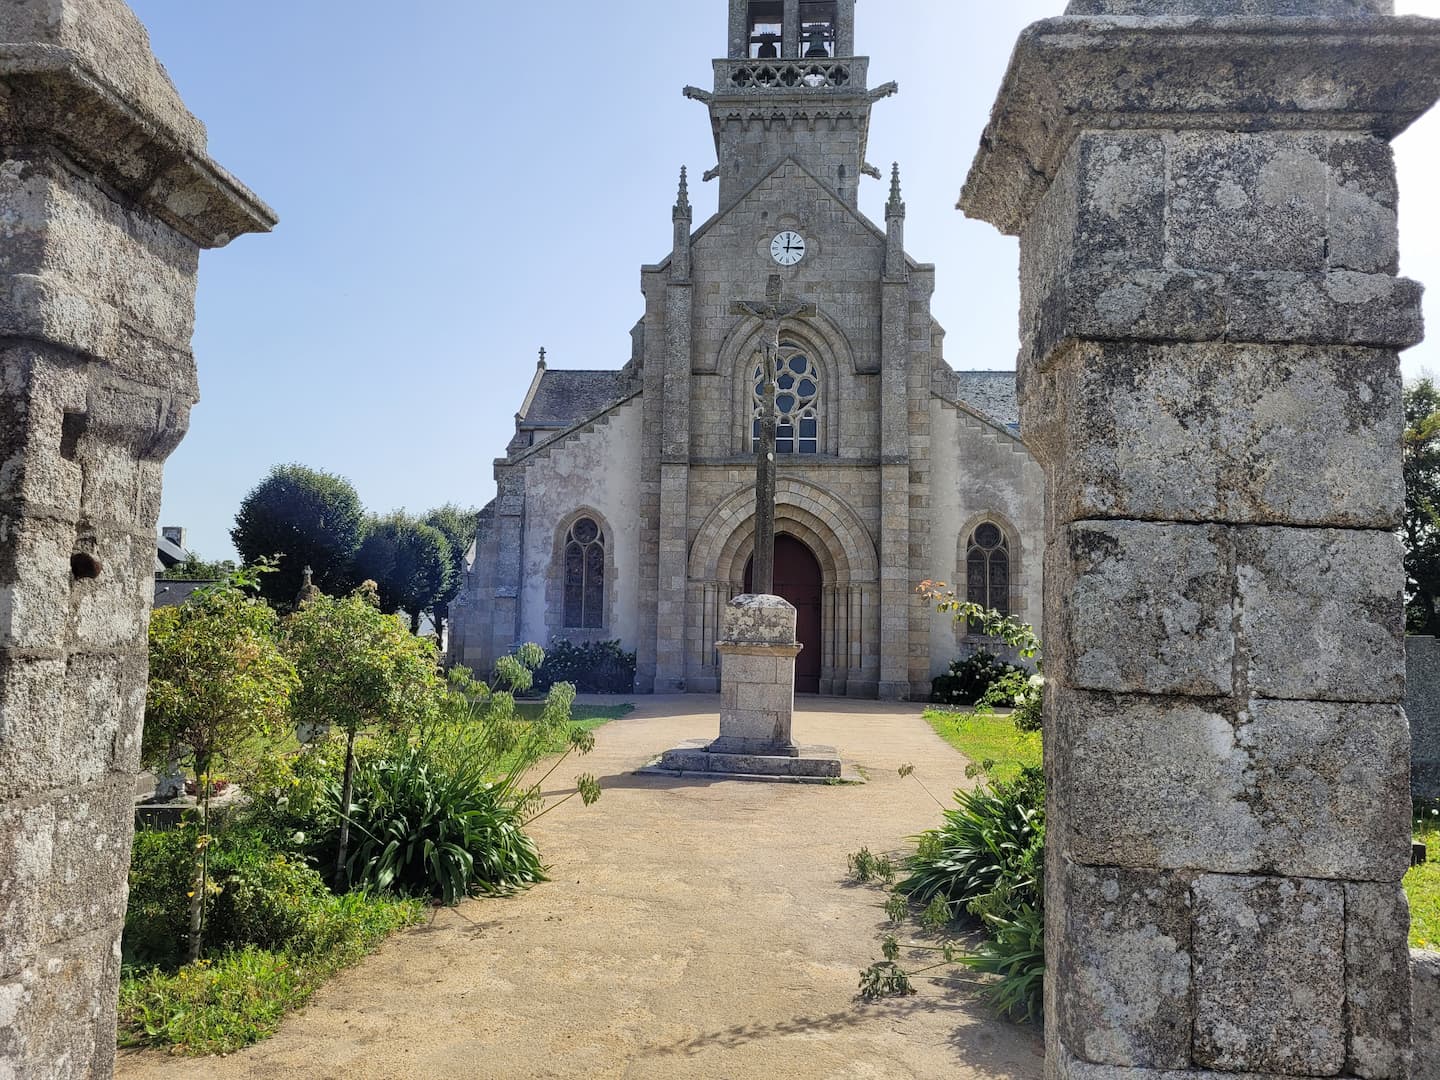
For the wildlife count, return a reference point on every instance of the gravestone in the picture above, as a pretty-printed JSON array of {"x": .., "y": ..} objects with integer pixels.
[
  {"x": 107, "y": 196},
  {"x": 1205, "y": 198},
  {"x": 1422, "y": 706}
]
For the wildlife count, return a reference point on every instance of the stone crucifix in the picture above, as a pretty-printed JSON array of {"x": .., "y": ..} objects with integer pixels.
[{"x": 772, "y": 311}]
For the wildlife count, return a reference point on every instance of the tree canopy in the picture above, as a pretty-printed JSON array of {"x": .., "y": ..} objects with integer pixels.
[
  {"x": 410, "y": 563},
  {"x": 458, "y": 527},
  {"x": 1422, "y": 507},
  {"x": 217, "y": 675},
  {"x": 302, "y": 517}
]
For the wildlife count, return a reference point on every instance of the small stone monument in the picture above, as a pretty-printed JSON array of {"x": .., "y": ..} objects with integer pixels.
[{"x": 757, "y": 703}]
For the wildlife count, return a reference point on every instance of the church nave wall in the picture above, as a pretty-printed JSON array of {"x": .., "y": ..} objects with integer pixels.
[
  {"x": 598, "y": 471},
  {"x": 980, "y": 474}
]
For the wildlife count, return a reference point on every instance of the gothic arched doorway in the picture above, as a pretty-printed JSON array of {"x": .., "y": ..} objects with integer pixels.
[{"x": 798, "y": 580}]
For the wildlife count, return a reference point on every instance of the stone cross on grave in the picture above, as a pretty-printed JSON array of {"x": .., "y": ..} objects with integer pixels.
[{"x": 771, "y": 312}]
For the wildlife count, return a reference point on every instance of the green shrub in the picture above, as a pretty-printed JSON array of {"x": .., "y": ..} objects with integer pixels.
[
  {"x": 240, "y": 997},
  {"x": 442, "y": 813},
  {"x": 1014, "y": 950},
  {"x": 987, "y": 857},
  {"x": 968, "y": 680},
  {"x": 256, "y": 896},
  {"x": 429, "y": 821},
  {"x": 600, "y": 667}
]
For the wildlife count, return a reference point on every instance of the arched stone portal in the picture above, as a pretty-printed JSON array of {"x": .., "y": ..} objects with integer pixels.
[{"x": 849, "y": 635}]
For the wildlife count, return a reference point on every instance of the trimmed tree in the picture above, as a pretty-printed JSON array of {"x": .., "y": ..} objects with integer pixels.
[
  {"x": 301, "y": 517},
  {"x": 218, "y": 680},
  {"x": 1422, "y": 507},
  {"x": 359, "y": 669},
  {"x": 458, "y": 527},
  {"x": 410, "y": 563}
]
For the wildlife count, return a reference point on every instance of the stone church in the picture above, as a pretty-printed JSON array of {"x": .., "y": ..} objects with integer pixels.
[{"x": 626, "y": 506}]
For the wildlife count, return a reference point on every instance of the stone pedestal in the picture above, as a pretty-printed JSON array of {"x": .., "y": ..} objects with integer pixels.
[
  {"x": 1205, "y": 199},
  {"x": 757, "y": 702},
  {"x": 107, "y": 196},
  {"x": 757, "y": 677}
]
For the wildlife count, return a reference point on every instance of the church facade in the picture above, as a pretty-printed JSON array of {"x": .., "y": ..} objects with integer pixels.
[{"x": 625, "y": 504}]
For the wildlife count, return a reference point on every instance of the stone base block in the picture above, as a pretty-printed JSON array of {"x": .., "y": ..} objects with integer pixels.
[{"x": 802, "y": 764}]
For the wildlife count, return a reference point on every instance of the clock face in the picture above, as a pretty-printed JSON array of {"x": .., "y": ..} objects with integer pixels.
[{"x": 788, "y": 248}]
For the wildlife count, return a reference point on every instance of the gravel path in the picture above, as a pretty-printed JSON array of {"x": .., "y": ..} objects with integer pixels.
[{"x": 693, "y": 929}]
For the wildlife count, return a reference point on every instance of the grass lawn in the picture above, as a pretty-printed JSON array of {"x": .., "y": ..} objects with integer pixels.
[
  {"x": 991, "y": 738},
  {"x": 1422, "y": 885},
  {"x": 585, "y": 717}
]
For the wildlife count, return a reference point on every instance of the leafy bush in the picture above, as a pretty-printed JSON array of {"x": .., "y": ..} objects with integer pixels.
[
  {"x": 442, "y": 814},
  {"x": 430, "y": 822},
  {"x": 599, "y": 667},
  {"x": 988, "y": 855},
  {"x": 1015, "y": 951},
  {"x": 968, "y": 680},
  {"x": 256, "y": 895}
]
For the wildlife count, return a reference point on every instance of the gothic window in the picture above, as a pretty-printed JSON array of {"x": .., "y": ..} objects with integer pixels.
[
  {"x": 987, "y": 569},
  {"x": 585, "y": 576},
  {"x": 797, "y": 403}
]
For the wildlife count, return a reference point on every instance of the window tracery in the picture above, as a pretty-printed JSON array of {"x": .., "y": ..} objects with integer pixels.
[
  {"x": 797, "y": 403},
  {"x": 987, "y": 569},
  {"x": 585, "y": 576}
]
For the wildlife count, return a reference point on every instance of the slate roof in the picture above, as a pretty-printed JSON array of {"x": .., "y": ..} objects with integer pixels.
[
  {"x": 568, "y": 397},
  {"x": 992, "y": 393}
]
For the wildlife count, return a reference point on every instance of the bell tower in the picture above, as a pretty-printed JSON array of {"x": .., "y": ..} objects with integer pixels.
[{"x": 791, "y": 86}]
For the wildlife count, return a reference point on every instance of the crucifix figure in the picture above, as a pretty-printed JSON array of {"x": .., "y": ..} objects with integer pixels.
[{"x": 771, "y": 312}]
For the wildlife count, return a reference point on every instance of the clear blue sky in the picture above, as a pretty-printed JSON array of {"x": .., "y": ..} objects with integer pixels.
[{"x": 458, "y": 186}]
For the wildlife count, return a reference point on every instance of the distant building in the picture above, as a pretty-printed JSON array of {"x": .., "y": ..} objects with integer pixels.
[
  {"x": 626, "y": 499},
  {"x": 170, "y": 552}
]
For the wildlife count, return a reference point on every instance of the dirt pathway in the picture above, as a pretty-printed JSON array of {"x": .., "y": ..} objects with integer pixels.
[{"x": 693, "y": 929}]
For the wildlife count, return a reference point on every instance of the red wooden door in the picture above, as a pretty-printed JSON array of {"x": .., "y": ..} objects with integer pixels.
[{"x": 798, "y": 580}]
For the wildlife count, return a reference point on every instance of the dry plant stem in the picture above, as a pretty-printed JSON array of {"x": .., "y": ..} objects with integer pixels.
[{"x": 347, "y": 792}]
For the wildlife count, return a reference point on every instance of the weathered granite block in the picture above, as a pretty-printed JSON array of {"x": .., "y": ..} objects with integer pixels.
[
  {"x": 27, "y": 851},
  {"x": 1144, "y": 607},
  {"x": 1124, "y": 955},
  {"x": 1425, "y": 1005},
  {"x": 1264, "y": 434},
  {"x": 1422, "y": 706},
  {"x": 1308, "y": 789},
  {"x": 1363, "y": 226},
  {"x": 1249, "y": 201},
  {"x": 1328, "y": 785},
  {"x": 1321, "y": 613},
  {"x": 1377, "y": 980},
  {"x": 1153, "y": 8},
  {"x": 59, "y": 1010},
  {"x": 1269, "y": 956}
]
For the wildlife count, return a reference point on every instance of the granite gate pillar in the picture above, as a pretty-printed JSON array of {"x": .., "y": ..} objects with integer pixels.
[
  {"x": 1205, "y": 198},
  {"x": 106, "y": 198}
]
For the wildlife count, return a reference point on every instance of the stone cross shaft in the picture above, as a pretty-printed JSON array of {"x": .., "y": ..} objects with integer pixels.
[{"x": 772, "y": 312}]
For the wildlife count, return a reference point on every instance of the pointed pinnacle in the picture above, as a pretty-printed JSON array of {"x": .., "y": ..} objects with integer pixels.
[
  {"x": 895, "y": 183},
  {"x": 684, "y": 199}
]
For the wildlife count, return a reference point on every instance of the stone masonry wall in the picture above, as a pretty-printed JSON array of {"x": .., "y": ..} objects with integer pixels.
[
  {"x": 1209, "y": 376},
  {"x": 1422, "y": 706},
  {"x": 106, "y": 197}
]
